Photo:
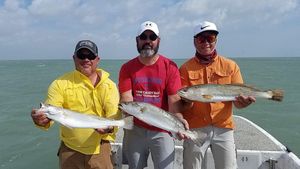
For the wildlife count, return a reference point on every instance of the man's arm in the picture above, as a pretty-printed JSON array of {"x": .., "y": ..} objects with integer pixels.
[
  {"x": 175, "y": 106},
  {"x": 126, "y": 96}
]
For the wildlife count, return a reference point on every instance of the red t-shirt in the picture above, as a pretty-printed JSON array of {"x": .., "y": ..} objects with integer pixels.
[{"x": 150, "y": 84}]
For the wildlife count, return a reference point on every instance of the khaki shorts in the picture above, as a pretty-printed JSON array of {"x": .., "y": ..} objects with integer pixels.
[{"x": 70, "y": 159}]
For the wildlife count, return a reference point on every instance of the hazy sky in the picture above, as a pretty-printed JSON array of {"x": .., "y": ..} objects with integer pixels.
[{"x": 50, "y": 29}]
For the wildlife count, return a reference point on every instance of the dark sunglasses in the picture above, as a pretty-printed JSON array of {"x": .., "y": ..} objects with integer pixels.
[
  {"x": 83, "y": 56},
  {"x": 152, "y": 37},
  {"x": 208, "y": 38}
]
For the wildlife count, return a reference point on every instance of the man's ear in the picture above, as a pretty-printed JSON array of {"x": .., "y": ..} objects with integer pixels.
[{"x": 158, "y": 39}]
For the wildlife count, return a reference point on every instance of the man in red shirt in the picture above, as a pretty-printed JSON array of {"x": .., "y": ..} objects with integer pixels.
[{"x": 152, "y": 78}]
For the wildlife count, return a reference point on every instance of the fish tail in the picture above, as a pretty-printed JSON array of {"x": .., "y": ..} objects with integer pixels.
[
  {"x": 128, "y": 122},
  {"x": 277, "y": 95},
  {"x": 193, "y": 135}
]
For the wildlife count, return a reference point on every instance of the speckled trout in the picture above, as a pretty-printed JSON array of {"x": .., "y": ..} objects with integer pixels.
[
  {"x": 74, "y": 119},
  {"x": 226, "y": 92},
  {"x": 157, "y": 117}
]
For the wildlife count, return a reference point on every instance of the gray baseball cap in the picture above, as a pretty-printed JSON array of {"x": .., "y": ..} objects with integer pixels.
[{"x": 87, "y": 44}]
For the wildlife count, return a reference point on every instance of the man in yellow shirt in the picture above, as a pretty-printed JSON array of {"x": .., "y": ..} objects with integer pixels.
[
  {"x": 90, "y": 91},
  {"x": 214, "y": 121}
]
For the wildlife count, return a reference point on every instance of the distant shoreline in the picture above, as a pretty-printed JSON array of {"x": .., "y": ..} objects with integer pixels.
[{"x": 235, "y": 58}]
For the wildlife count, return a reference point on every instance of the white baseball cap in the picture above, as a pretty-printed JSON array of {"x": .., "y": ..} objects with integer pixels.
[
  {"x": 205, "y": 26},
  {"x": 148, "y": 25}
]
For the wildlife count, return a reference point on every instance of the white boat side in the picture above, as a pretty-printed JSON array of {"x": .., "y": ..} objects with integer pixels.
[{"x": 256, "y": 149}]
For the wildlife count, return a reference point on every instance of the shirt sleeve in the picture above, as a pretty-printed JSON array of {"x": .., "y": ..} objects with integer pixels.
[
  {"x": 111, "y": 109},
  {"x": 55, "y": 95},
  {"x": 124, "y": 79},
  {"x": 237, "y": 76},
  {"x": 183, "y": 76},
  {"x": 54, "y": 98},
  {"x": 174, "y": 83}
]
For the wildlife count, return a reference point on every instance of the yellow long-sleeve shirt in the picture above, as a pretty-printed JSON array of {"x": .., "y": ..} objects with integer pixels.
[{"x": 74, "y": 91}]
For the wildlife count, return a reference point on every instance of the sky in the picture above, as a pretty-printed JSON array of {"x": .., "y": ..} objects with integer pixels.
[{"x": 50, "y": 29}]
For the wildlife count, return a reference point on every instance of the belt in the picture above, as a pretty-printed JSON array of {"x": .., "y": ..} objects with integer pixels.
[{"x": 104, "y": 141}]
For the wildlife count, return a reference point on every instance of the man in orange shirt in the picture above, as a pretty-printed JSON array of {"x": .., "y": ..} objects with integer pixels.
[{"x": 212, "y": 120}]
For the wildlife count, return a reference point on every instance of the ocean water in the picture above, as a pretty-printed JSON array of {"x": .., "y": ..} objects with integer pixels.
[{"x": 24, "y": 84}]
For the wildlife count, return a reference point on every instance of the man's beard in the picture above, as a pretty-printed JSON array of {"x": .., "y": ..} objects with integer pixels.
[{"x": 147, "y": 51}]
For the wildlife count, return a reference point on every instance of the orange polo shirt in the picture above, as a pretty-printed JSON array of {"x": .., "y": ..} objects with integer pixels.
[{"x": 221, "y": 71}]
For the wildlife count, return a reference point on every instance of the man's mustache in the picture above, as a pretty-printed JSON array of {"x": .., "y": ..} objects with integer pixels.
[{"x": 146, "y": 46}]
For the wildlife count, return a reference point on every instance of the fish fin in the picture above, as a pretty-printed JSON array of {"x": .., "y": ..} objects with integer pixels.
[
  {"x": 245, "y": 85},
  {"x": 193, "y": 135},
  {"x": 196, "y": 138},
  {"x": 68, "y": 126},
  {"x": 174, "y": 135},
  {"x": 128, "y": 122},
  {"x": 277, "y": 95},
  {"x": 207, "y": 96}
]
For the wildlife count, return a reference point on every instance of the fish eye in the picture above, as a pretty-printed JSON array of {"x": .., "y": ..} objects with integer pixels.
[{"x": 51, "y": 112}]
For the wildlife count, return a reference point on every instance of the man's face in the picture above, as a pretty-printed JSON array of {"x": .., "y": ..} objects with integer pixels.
[
  {"x": 86, "y": 62},
  {"x": 205, "y": 43},
  {"x": 147, "y": 44}
]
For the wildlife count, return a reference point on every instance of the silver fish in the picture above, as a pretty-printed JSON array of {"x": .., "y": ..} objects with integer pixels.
[
  {"x": 226, "y": 92},
  {"x": 157, "y": 117},
  {"x": 73, "y": 119}
]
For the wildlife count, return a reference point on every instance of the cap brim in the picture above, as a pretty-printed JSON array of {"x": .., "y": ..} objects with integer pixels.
[
  {"x": 85, "y": 47},
  {"x": 207, "y": 31}
]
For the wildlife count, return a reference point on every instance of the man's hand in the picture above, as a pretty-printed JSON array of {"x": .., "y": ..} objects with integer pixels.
[
  {"x": 180, "y": 135},
  {"x": 106, "y": 130},
  {"x": 39, "y": 118},
  {"x": 186, "y": 104},
  {"x": 243, "y": 101}
]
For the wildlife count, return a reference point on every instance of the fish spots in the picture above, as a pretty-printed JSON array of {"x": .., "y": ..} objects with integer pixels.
[
  {"x": 143, "y": 109},
  {"x": 206, "y": 96}
]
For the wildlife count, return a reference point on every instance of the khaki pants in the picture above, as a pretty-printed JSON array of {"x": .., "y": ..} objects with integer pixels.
[
  {"x": 70, "y": 159},
  {"x": 139, "y": 142},
  {"x": 221, "y": 142}
]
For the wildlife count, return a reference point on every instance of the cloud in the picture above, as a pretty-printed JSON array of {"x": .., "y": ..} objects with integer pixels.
[
  {"x": 50, "y": 8},
  {"x": 114, "y": 24}
]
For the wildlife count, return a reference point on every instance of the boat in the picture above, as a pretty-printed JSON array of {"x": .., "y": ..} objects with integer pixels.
[{"x": 256, "y": 149}]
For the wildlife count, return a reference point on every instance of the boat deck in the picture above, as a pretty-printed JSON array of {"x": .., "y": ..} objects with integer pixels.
[
  {"x": 249, "y": 137},
  {"x": 254, "y": 145}
]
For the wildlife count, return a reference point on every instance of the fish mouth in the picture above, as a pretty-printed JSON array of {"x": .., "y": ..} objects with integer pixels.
[
  {"x": 120, "y": 105},
  {"x": 181, "y": 93}
]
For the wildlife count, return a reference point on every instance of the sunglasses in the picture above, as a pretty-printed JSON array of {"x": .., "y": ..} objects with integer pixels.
[
  {"x": 208, "y": 38},
  {"x": 152, "y": 37},
  {"x": 83, "y": 56}
]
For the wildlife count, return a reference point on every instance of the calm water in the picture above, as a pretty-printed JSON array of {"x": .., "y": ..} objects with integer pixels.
[{"x": 23, "y": 85}]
